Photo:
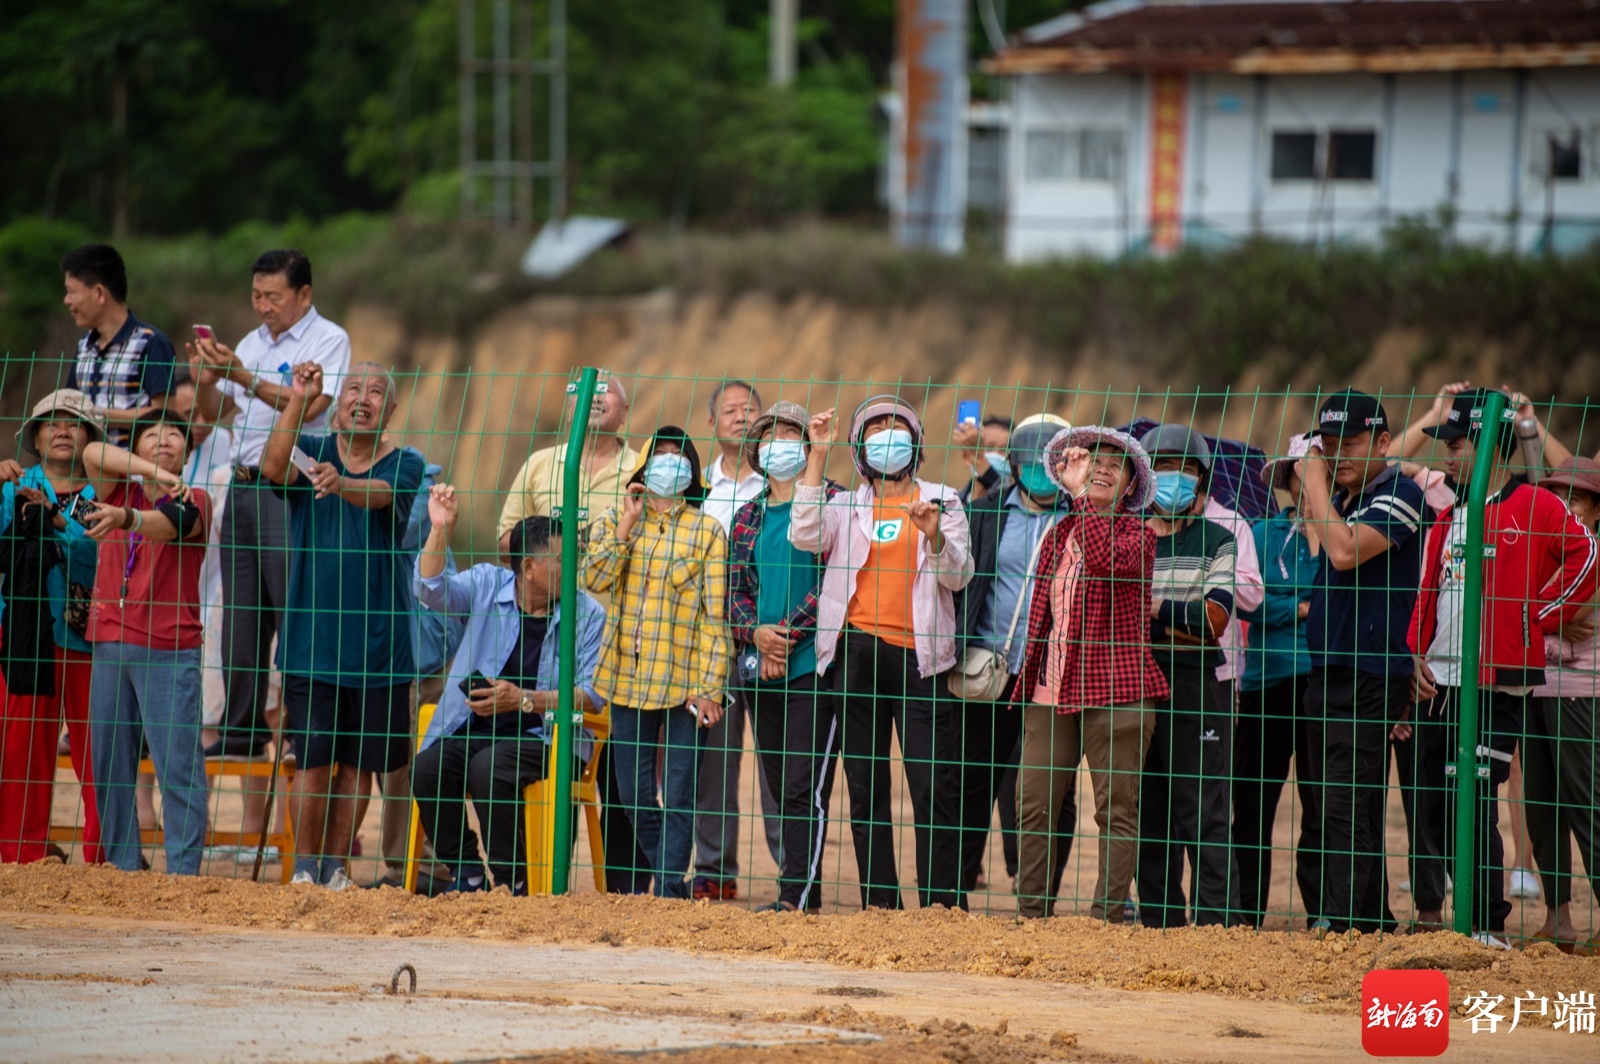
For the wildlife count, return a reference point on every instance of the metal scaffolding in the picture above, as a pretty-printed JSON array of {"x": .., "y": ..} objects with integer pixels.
[{"x": 502, "y": 185}]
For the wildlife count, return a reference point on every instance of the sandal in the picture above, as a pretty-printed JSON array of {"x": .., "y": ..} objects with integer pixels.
[{"x": 1561, "y": 944}]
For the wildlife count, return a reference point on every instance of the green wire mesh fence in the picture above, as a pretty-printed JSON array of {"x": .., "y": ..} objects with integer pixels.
[{"x": 955, "y": 644}]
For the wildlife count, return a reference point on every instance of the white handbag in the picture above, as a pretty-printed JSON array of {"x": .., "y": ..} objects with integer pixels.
[{"x": 982, "y": 674}]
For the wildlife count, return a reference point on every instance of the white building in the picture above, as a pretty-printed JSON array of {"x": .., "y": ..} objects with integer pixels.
[{"x": 1146, "y": 124}]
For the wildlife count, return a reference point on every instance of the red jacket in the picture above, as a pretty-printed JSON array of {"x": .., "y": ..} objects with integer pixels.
[
  {"x": 1539, "y": 573},
  {"x": 1108, "y": 635}
]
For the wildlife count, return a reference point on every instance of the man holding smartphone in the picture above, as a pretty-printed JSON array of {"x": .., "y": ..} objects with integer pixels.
[
  {"x": 487, "y": 737},
  {"x": 255, "y": 381}
]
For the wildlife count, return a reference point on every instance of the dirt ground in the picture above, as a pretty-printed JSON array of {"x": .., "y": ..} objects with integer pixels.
[
  {"x": 840, "y": 892},
  {"x": 85, "y": 952}
]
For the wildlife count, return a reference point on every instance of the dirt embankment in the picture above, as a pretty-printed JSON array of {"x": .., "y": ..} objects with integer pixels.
[{"x": 1240, "y": 963}]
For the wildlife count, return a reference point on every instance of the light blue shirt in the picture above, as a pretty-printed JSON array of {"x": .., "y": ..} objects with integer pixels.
[
  {"x": 1024, "y": 529},
  {"x": 485, "y": 597}
]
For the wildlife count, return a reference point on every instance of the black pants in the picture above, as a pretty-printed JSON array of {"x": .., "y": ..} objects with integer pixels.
[
  {"x": 797, "y": 738},
  {"x": 1183, "y": 806},
  {"x": 255, "y": 587},
  {"x": 627, "y": 868},
  {"x": 1267, "y": 734},
  {"x": 1348, "y": 717},
  {"x": 1560, "y": 773},
  {"x": 879, "y": 692},
  {"x": 991, "y": 748},
  {"x": 491, "y": 770},
  {"x": 1500, "y": 725},
  {"x": 1426, "y": 861}
]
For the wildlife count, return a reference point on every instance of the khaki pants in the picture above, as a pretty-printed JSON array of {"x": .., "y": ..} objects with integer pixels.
[{"x": 1113, "y": 740}]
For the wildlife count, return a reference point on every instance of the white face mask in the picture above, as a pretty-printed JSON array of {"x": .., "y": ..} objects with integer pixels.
[
  {"x": 889, "y": 451},
  {"x": 667, "y": 474},
  {"x": 782, "y": 459}
]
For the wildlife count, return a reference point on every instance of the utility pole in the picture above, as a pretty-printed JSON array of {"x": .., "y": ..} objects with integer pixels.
[
  {"x": 783, "y": 15},
  {"x": 929, "y": 206}
]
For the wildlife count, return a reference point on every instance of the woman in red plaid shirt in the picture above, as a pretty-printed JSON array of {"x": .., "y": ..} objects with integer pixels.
[{"x": 1088, "y": 679}]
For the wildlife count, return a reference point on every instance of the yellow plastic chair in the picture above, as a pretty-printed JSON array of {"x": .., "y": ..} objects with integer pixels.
[{"x": 538, "y": 810}]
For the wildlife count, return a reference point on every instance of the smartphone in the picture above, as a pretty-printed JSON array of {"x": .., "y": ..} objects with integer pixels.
[
  {"x": 476, "y": 682},
  {"x": 81, "y": 509},
  {"x": 302, "y": 461},
  {"x": 204, "y": 332},
  {"x": 968, "y": 411}
]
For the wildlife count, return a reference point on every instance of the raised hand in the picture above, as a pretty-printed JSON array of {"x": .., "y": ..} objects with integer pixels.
[
  {"x": 104, "y": 520},
  {"x": 443, "y": 506},
  {"x": 10, "y": 471},
  {"x": 823, "y": 428},
  {"x": 307, "y": 384},
  {"x": 925, "y": 515},
  {"x": 630, "y": 511},
  {"x": 1077, "y": 463}
]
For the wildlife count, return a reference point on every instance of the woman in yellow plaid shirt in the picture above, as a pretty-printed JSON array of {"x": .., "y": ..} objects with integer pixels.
[{"x": 666, "y": 652}]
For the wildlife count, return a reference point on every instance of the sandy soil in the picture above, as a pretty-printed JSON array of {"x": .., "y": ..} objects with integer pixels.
[
  {"x": 1274, "y": 966},
  {"x": 758, "y": 870}
]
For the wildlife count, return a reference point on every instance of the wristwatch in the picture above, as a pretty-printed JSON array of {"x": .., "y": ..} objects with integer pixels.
[{"x": 527, "y": 700}]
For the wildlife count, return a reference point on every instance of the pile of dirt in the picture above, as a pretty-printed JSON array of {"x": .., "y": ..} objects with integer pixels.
[{"x": 1236, "y": 962}]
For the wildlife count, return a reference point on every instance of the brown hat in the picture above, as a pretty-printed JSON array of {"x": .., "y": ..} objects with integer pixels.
[
  {"x": 1575, "y": 472},
  {"x": 783, "y": 410},
  {"x": 62, "y": 401}
]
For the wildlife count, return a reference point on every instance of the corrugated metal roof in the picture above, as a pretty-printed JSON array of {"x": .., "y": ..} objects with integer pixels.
[{"x": 1275, "y": 36}]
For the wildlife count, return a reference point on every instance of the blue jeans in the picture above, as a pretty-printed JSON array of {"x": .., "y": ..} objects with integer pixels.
[
  {"x": 136, "y": 689},
  {"x": 666, "y": 838}
]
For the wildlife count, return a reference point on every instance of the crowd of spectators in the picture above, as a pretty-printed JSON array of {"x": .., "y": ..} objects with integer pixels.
[{"x": 1098, "y": 595}]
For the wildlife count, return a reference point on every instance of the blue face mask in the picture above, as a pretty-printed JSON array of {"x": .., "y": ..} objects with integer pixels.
[
  {"x": 782, "y": 459},
  {"x": 667, "y": 474},
  {"x": 1175, "y": 491},
  {"x": 1036, "y": 482},
  {"x": 998, "y": 462},
  {"x": 889, "y": 450}
]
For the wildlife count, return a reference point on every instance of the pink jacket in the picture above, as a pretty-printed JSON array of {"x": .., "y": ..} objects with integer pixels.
[
  {"x": 1248, "y": 589},
  {"x": 840, "y": 529}
]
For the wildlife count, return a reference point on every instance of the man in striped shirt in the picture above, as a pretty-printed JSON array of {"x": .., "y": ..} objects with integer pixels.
[
  {"x": 1184, "y": 792},
  {"x": 123, "y": 365}
]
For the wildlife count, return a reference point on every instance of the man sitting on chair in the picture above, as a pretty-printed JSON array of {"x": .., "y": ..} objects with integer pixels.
[{"x": 487, "y": 737}]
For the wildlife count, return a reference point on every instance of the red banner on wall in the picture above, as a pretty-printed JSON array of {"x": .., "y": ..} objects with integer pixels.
[{"x": 1168, "y": 107}]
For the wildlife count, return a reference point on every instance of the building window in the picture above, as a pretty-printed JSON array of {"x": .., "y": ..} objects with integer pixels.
[
  {"x": 1072, "y": 155},
  {"x": 1564, "y": 155},
  {"x": 1352, "y": 155},
  {"x": 1294, "y": 156},
  {"x": 1335, "y": 155}
]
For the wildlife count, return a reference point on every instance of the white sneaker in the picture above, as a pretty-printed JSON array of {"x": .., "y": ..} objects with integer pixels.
[
  {"x": 339, "y": 881},
  {"x": 247, "y": 855},
  {"x": 1524, "y": 884},
  {"x": 303, "y": 878},
  {"x": 1492, "y": 940}
]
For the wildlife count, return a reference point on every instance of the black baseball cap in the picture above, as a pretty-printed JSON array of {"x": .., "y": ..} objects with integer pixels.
[
  {"x": 1350, "y": 413},
  {"x": 1465, "y": 416}
]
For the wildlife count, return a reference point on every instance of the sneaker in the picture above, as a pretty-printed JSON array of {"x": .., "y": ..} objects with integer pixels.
[
  {"x": 247, "y": 855},
  {"x": 1524, "y": 884},
  {"x": 305, "y": 878},
  {"x": 1492, "y": 939},
  {"x": 1321, "y": 929},
  {"x": 706, "y": 889},
  {"x": 225, "y": 853},
  {"x": 339, "y": 881}
]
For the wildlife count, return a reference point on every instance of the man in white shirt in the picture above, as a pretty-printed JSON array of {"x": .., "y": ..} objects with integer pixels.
[
  {"x": 730, "y": 483},
  {"x": 254, "y": 380}
]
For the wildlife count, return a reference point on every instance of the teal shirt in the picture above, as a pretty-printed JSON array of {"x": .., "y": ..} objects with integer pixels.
[
  {"x": 1275, "y": 648},
  {"x": 347, "y": 620},
  {"x": 788, "y": 574},
  {"x": 81, "y": 556}
]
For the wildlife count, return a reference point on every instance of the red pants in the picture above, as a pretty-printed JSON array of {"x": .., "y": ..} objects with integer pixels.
[{"x": 29, "y": 727}]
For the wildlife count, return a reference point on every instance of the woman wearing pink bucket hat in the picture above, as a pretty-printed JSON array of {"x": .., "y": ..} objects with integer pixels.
[{"x": 1089, "y": 680}]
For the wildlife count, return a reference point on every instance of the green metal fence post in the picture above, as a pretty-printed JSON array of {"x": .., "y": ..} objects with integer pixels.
[
  {"x": 1466, "y": 760},
  {"x": 566, "y": 723}
]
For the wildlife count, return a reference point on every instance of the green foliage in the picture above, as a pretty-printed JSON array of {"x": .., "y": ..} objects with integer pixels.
[{"x": 31, "y": 251}]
